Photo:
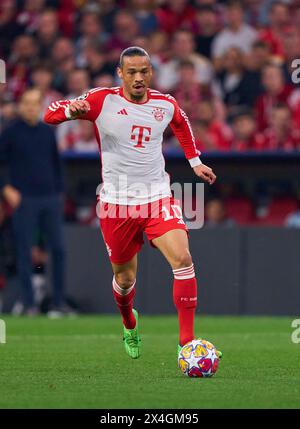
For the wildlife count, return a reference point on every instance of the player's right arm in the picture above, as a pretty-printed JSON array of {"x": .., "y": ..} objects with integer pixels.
[{"x": 87, "y": 106}]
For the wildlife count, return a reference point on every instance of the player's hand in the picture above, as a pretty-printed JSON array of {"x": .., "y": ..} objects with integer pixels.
[
  {"x": 205, "y": 173},
  {"x": 12, "y": 196},
  {"x": 78, "y": 108}
]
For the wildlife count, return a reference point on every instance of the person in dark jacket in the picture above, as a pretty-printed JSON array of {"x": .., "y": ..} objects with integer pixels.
[{"x": 33, "y": 188}]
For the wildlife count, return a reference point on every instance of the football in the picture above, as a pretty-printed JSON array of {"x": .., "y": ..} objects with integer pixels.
[{"x": 198, "y": 358}]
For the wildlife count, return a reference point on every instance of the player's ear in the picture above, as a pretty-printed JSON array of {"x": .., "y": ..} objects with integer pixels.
[
  {"x": 119, "y": 72},
  {"x": 151, "y": 70}
]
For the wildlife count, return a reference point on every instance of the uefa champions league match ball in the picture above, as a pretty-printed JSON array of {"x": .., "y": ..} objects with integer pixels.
[{"x": 198, "y": 358}]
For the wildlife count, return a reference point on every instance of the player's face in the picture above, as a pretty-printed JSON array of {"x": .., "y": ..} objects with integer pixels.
[{"x": 136, "y": 74}]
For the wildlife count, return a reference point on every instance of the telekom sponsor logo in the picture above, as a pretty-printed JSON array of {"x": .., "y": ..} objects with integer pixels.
[{"x": 140, "y": 134}]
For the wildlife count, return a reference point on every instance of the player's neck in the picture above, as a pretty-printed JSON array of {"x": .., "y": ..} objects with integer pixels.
[{"x": 130, "y": 97}]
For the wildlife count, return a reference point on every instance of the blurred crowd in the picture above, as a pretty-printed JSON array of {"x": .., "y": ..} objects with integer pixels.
[{"x": 231, "y": 65}]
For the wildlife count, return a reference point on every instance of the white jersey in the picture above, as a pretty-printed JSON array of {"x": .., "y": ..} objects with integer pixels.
[{"x": 130, "y": 137}]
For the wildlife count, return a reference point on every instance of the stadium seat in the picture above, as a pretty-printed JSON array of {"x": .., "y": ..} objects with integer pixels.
[
  {"x": 240, "y": 209},
  {"x": 278, "y": 210}
]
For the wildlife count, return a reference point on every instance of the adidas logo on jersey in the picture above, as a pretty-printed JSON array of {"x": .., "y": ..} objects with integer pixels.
[{"x": 122, "y": 112}]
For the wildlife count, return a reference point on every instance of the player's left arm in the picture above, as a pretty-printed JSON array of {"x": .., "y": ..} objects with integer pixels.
[{"x": 182, "y": 129}]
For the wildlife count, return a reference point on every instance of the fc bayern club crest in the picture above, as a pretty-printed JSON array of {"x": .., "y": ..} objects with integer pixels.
[{"x": 158, "y": 114}]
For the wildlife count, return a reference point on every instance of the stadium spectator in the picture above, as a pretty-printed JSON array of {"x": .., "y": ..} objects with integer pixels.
[
  {"x": 141, "y": 41},
  {"x": 280, "y": 135},
  {"x": 207, "y": 29},
  {"x": 183, "y": 49},
  {"x": 9, "y": 28},
  {"x": 259, "y": 56},
  {"x": 211, "y": 134},
  {"x": 22, "y": 56},
  {"x": 63, "y": 56},
  {"x": 295, "y": 14},
  {"x": 237, "y": 85},
  {"x": 91, "y": 31},
  {"x": 216, "y": 216},
  {"x": 144, "y": 12},
  {"x": 237, "y": 33},
  {"x": 104, "y": 80},
  {"x": 42, "y": 78},
  {"x": 188, "y": 91},
  {"x": 158, "y": 48},
  {"x": 78, "y": 83},
  {"x": 63, "y": 49},
  {"x": 217, "y": 6},
  {"x": 174, "y": 15},
  {"x": 108, "y": 10},
  {"x": 95, "y": 60},
  {"x": 244, "y": 131},
  {"x": 291, "y": 48},
  {"x": 255, "y": 12},
  {"x": 67, "y": 11},
  {"x": 125, "y": 29},
  {"x": 279, "y": 19},
  {"x": 86, "y": 141},
  {"x": 33, "y": 190},
  {"x": 47, "y": 32},
  {"x": 28, "y": 17},
  {"x": 275, "y": 91}
]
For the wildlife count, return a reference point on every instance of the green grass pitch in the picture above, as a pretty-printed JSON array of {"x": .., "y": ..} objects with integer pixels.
[{"x": 81, "y": 363}]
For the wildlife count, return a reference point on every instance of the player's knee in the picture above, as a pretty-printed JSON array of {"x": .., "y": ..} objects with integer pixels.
[
  {"x": 183, "y": 260},
  {"x": 125, "y": 280}
]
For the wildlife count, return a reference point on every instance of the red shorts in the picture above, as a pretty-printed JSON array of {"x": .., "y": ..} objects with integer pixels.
[{"x": 123, "y": 226}]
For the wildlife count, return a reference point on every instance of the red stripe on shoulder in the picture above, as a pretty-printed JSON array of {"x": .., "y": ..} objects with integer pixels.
[
  {"x": 159, "y": 96},
  {"x": 114, "y": 90}
]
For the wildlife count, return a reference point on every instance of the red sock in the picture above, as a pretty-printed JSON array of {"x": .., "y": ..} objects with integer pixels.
[
  {"x": 185, "y": 300},
  {"x": 124, "y": 300}
]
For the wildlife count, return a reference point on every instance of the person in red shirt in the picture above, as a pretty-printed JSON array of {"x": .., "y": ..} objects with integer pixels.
[
  {"x": 244, "y": 130},
  {"x": 175, "y": 15},
  {"x": 211, "y": 134},
  {"x": 19, "y": 64},
  {"x": 188, "y": 91},
  {"x": 280, "y": 135},
  {"x": 279, "y": 18},
  {"x": 275, "y": 91},
  {"x": 125, "y": 29},
  {"x": 291, "y": 46},
  {"x": 42, "y": 78}
]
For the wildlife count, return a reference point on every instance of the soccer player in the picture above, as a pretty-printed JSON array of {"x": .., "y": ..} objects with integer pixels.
[{"x": 129, "y": 122}]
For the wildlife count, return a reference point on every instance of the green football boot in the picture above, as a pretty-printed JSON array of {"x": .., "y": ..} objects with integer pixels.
[
  {"x": 219, "y": 354},
  {"x": 132, "y": 341}
]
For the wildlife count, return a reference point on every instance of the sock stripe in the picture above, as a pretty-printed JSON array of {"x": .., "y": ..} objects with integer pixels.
[
  {"x": 184, "y": 273},
  {"x": 178, "y": 270},
  {"x": 188, "y": 276},
  {"x": 187, "y": 270},
  {"x": 121, "y": 291}
]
